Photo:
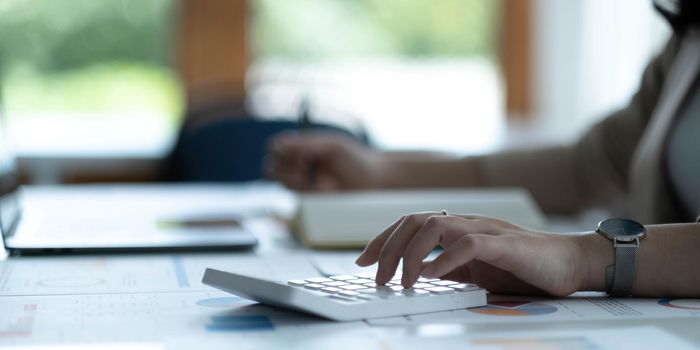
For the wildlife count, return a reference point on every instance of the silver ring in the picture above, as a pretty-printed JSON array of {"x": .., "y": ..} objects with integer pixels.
[{"x": 444, "y": 212}]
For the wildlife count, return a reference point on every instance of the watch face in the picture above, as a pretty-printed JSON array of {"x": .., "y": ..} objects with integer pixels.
[{"x": 621, "y": 229}]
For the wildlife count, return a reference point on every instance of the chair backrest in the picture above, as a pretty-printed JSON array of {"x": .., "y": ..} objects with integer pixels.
[{"x": 229, "y": 150}]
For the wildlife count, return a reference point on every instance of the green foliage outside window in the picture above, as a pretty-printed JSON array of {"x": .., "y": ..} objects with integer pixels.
[
  {"x": 322, "y": 29},
  {"x": 88, "y": 56},
  {"x": 116, "y": 56}
]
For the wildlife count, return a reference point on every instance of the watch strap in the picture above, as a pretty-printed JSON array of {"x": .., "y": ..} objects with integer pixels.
[{"x": 619, "y": 278}]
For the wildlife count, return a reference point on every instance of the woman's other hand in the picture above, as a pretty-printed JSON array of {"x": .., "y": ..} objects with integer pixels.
[{"x": 322, "y": 162}]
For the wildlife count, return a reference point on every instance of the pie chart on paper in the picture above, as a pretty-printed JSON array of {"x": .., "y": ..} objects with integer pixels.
[
  {"x": 515, "y": 308},
  {"x": 688, "y": 304}
]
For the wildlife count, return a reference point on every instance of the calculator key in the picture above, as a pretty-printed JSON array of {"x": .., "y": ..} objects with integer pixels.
[
  {"x": 425, "y": 280},
  {"x": 314, "y": 286},
  {"x": 440, "y": 290},
  {"x": 463, "y": 286},
  {"x": 415, "y": 292},
  {"x": 380, "y": 291},
  {"x": 444, "y": 283},
  {"x": 354, "y": 299},
  {"x": 335, "y": 283},
  {"x": 343, "y": 277},
  {"x": 353, "y": 287},
  {"x": 361, "y": 281},
  {"x": 318, "y": 280}
]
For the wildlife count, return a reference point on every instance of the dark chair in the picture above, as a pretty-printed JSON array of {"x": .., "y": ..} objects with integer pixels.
[{"x": 228, "y": 150}]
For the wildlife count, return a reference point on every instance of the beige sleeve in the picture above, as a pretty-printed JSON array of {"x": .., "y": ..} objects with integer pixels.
[{"x": 594, "y": 170}]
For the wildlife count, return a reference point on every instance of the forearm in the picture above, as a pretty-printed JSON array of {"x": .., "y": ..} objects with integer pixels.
[
  {"x": 668, "y": 261},
  {"x": 426, "y": 169},
  {"x": 552, "y": 175},
  {"x": 547, "y": 173}
]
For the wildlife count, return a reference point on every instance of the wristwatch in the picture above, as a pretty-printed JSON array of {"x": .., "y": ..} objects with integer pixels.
[{"x": 625, "y": 235}]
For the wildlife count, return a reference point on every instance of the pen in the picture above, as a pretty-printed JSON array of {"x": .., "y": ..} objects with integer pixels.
[
  {"x": 304, "y": 115},
  {"x": 305, "y": 125}
]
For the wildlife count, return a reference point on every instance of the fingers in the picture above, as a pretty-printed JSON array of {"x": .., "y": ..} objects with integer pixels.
[
  {"x": 371, "y": 253},
  {"x": 434, "y": 230},
  {"x": 462, "y": 274},
  {"x": 324, "y": 182},
  {"x": 470, "y": 247},
  {"x": 290, "y": 176},
  {"x": 444, "y": 231},
  {"x": 396, "y": 243},
  {"x": 290, "y": 158},
  {"x": 413, "y": 237},
  {"x": 493, "y": 253}
]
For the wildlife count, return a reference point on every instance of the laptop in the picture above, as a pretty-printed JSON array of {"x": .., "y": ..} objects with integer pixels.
[{"x": 116, "y": 218}]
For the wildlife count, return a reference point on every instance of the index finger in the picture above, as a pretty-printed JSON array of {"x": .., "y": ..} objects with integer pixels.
[
  {"x": 371, "y": 253},
  {"x": 470, "y": 247},
  {"x": 437, "y": 230}
]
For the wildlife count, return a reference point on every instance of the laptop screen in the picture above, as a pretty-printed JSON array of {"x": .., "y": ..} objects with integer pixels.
[{"x": 9, "y": 208}]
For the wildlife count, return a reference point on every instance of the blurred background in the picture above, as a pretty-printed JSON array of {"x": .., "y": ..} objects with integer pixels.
[{"x": 98, "y": 90}]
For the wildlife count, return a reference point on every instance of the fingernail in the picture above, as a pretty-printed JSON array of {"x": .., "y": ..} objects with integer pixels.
[{"x": 361, "y": 260}]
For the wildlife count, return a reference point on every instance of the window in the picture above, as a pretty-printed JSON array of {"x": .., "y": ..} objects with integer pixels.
[
  {"x": 84, "y": 77},
  {"x": 416, "y": 73}
]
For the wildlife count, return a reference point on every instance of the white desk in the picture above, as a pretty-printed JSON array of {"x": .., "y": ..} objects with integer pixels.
[{"x": 155, "y": 301}]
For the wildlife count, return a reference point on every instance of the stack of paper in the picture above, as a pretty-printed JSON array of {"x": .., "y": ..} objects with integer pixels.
[{"x": 351, "y": 219}]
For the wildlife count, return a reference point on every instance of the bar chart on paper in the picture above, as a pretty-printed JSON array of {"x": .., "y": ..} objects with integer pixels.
[
  {"x": 149, "y": 316},
  {"x": 74, "y": 298},
  {"x": 21, "y": 322}
]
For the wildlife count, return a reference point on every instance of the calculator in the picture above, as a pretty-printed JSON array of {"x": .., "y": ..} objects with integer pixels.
[{"x": 351, "y": 297}]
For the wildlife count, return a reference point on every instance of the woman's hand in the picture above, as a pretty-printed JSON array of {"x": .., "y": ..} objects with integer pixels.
[
  {"x": 496, "y": 255},
  {"x": 323, "y": 162}
]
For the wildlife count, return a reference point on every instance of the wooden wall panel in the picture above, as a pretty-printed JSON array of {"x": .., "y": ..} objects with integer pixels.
[
  {"x": 213, "y": 51},
  {"x": 516, "y": 56}
]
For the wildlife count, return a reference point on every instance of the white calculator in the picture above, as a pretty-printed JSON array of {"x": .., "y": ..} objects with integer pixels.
[{"x": 351, "y": 297}]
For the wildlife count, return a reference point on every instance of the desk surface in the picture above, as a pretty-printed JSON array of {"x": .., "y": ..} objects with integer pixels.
[{"x": 156, "y": 301}]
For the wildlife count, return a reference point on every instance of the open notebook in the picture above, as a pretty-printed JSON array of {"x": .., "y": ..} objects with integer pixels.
[{"x": 351, "y": 219}]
